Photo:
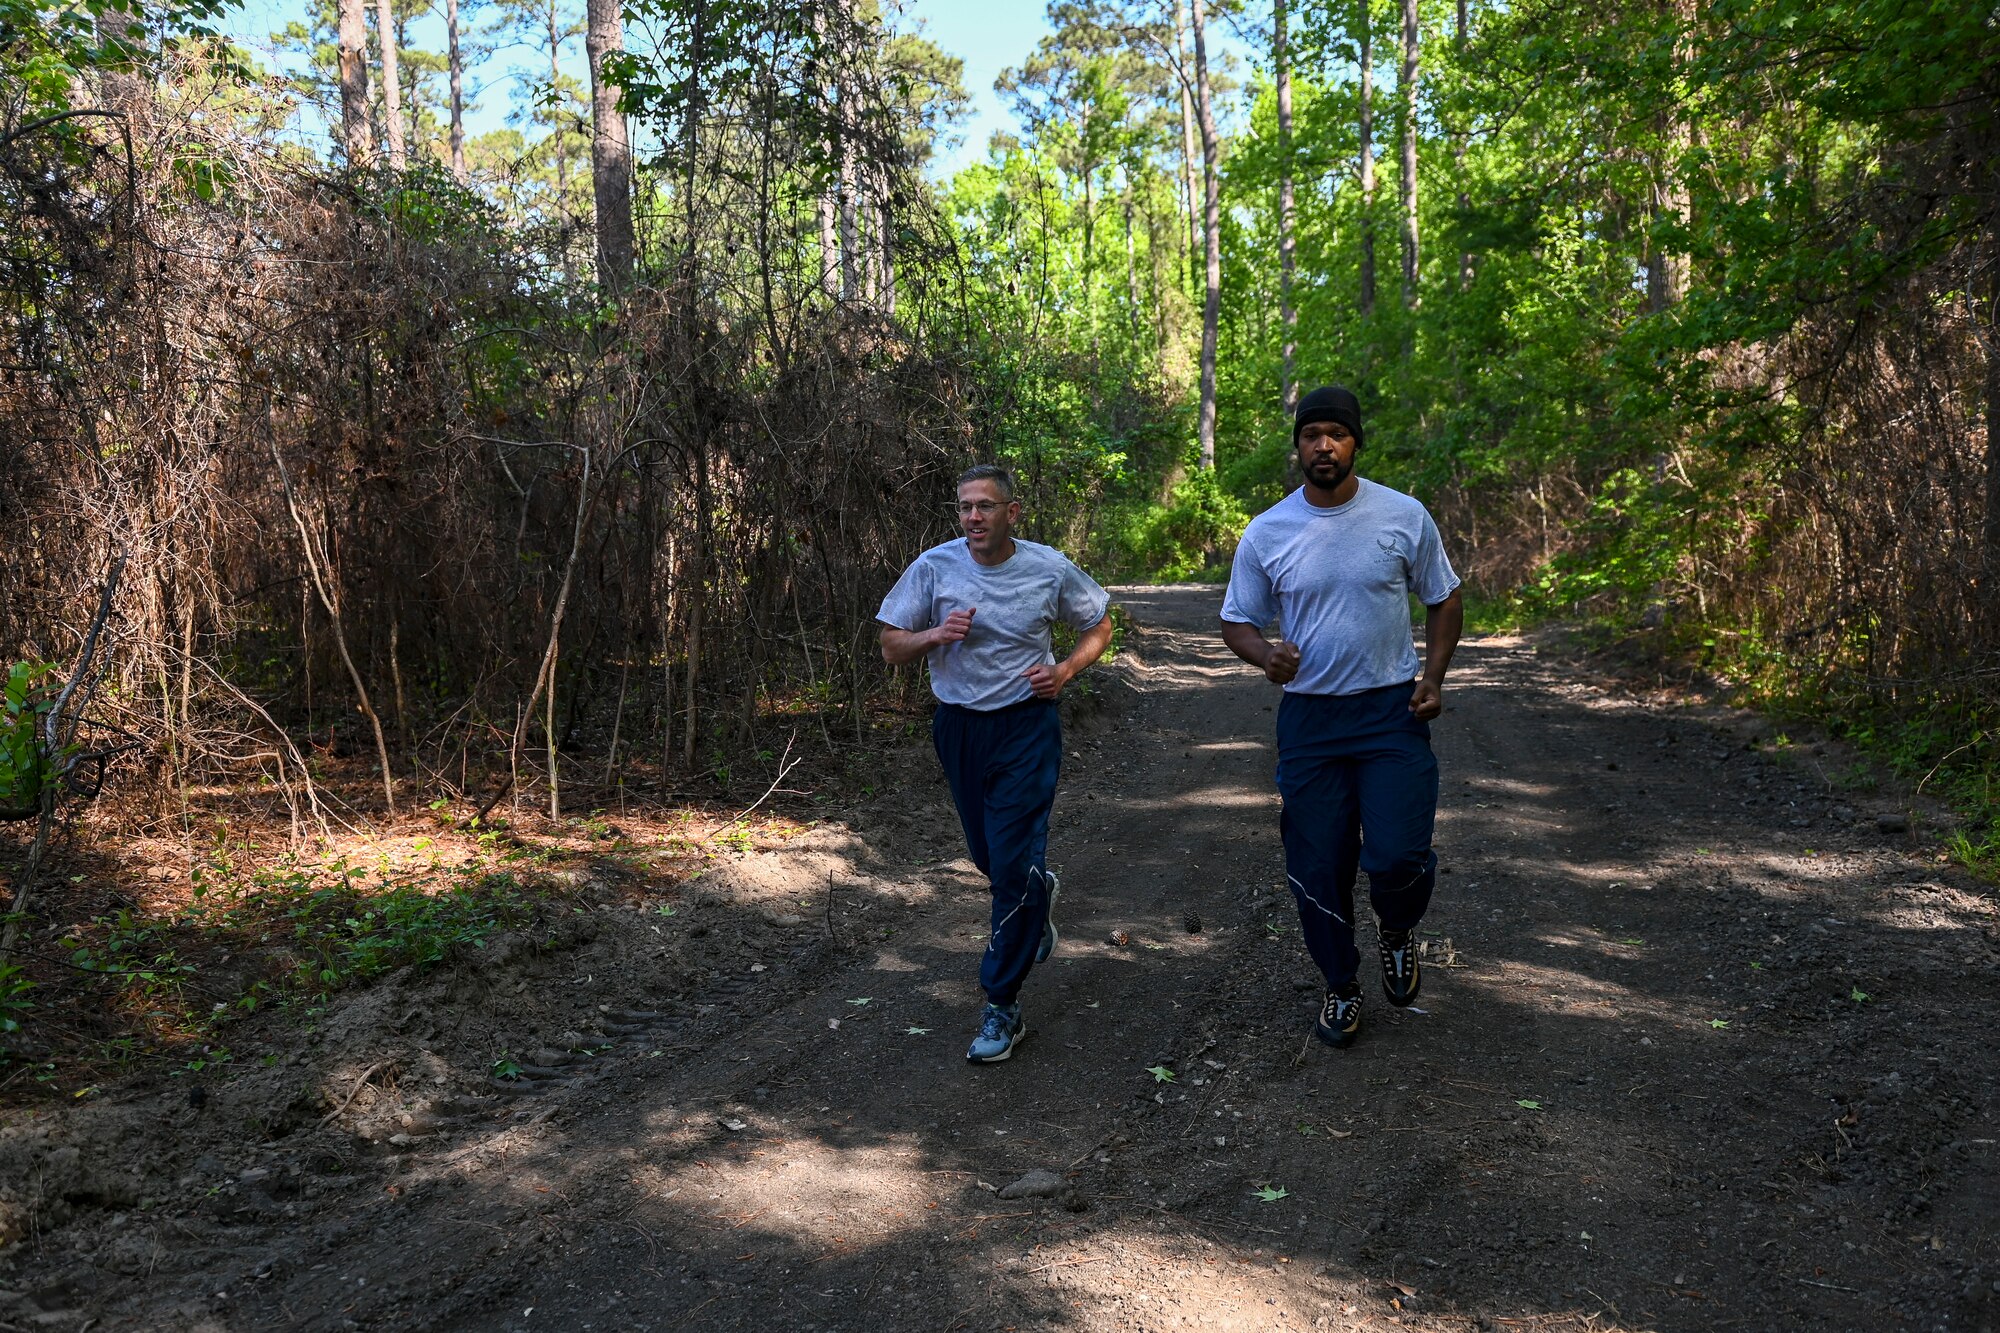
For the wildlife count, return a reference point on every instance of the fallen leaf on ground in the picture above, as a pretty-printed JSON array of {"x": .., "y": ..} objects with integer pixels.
[
  {"x": 1528, "y": 1105},
  {"x": 1161, "y": 1074},
  {"x": 1718, "y": 1023},
  {"x": 1273, "y": 1193},
  {"x": 915, "y": 1032},
  {"x": 863, "y": 1000}
]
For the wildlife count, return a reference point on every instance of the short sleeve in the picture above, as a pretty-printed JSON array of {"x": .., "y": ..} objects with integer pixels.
[
  {"x": 1431, "y": 575},
  {"x": 1251, "y": 600},
  {"x": 908, "y": 605},
  {"x": 1080, "y": 601}
]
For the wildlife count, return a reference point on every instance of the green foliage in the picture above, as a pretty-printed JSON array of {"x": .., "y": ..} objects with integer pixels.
[
  {"x": 337, "y": 931},
  {"x": 1194, "y": 535},
  {"x": 24, "y": 701},
  {"x": 14, "y": 1002},
  {"x": 1632, "y": 539},
  {"x": 137, "y": 954},
  {"x": 48, "y": 48}
]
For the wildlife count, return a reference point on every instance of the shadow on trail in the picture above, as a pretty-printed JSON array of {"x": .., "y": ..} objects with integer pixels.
[{"x": 1683, "y": 1062}]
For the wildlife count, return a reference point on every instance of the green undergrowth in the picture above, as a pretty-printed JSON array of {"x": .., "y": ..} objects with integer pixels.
[
  {"x": 1947, "y": 746},
  {"x": 330, "y": 928},
  {"x": 1952, "y": 751},
  {"x": 277, "y": 935}
]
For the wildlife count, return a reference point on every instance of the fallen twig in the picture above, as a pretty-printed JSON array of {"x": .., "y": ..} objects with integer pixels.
[{"x": 367, "y": 1074}]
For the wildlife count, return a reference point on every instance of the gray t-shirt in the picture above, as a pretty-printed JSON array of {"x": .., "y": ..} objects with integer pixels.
[
  {"x": 1338, "y": 582},
  {"x": 1014, "y": 604}
]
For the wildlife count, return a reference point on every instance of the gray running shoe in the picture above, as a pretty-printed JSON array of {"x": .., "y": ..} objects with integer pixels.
[{"x": 1000, "y": 1026}]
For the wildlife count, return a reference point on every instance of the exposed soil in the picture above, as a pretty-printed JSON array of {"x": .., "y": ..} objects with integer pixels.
[{"x": 1704, "y": 1043}]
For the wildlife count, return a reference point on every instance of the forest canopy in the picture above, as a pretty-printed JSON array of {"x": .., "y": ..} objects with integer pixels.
[{"x": 603, "y": 433}]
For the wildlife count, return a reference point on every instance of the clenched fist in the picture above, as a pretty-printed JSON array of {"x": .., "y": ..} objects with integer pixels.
[
  {"x": 1283, "y": 663},
  {"x": 955, "y": 627}
]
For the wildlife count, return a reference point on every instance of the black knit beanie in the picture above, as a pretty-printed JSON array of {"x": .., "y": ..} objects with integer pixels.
[{"x": 1329, "y": 402}]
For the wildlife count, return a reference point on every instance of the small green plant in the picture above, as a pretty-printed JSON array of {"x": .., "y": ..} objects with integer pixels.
[
  {"x": 214, "y": 1058},
  {"x": 341, "y": 933},
  {"x": 24, "y": 702},
  {"x": 135, "y": 952},
  {"x": 1273, "y": 1193},
  {"x": 14, "y": 1001},
  {"x": 506, "y": 1066},
  {"x": 1161, "y": 1074}
]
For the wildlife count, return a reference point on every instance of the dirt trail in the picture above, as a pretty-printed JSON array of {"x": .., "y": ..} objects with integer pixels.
[{"x": 1644, "y": 1090}]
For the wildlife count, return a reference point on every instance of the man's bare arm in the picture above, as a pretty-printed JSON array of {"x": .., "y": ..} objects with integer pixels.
[
  {"x": 1278, "y": 661},
  {"x": 907, "y": 645},
  {"x": 1047, "y": 681},
  {"x": 1443, "y": 624}
]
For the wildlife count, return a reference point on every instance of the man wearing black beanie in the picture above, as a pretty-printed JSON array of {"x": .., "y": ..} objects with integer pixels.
[{"x": 1335, "y": 564}]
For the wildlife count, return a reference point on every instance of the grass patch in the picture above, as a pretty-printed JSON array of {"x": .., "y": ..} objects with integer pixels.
[{"x": 331, "y": 929}]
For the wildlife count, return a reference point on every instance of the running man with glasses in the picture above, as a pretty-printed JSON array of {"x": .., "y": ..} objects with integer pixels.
[
  {"x": 1335, "y": 563},
  {"x": 979, "y": 610}
]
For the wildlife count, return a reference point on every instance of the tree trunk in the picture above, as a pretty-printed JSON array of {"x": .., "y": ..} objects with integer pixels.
[
  {"x": 456, "y": 59},
  {"x": 557, "y": 143},
  {"x": 827, "y": 204},
  {"x": 850, "y": 230},
  {"x": 1190, "y": 190},
  {"x": 353, "y": 39},
  {"x": 1458, "y": 156},
  {"x": 1211, "y": 226},
  {"x": 392, "y": 84},
  {"x": 1367, "y": 162},
  {"x": 1666, "y": 273},
  {"x": 1989, "y": 590},
  {"x": 610, "y": 150},
  {"x": 1406, "y": 87},
  {"x": 1132, "y": 303},
  {"x": 885, "y": 253},
  {"x": 1089, "y": 240},
  {"x": 691, "y": 138},
  {"x": 829, "y": 245},
  {"x": 1288, "y": 315},
  {"x": 121, "y": 26}
]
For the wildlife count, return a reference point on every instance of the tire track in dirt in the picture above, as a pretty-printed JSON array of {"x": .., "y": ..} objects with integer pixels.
[{"x": 1641, "y": 1093}]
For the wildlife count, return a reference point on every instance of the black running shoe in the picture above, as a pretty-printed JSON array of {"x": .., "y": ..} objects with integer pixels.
[
  {"x": 1402, "y": 978},
  {"x": 1339, "y": 1018}
]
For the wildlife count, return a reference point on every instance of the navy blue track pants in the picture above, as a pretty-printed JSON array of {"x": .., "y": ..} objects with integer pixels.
[
  {"x": 1002, "y": 768},
  {"x": 1361, "y": 788}
]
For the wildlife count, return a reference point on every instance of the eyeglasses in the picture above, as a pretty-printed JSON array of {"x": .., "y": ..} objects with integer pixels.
[{"x": 980, "y": 508}]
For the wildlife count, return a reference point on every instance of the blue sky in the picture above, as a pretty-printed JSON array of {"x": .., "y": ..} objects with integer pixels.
[{"x": 988, "y": 35}]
